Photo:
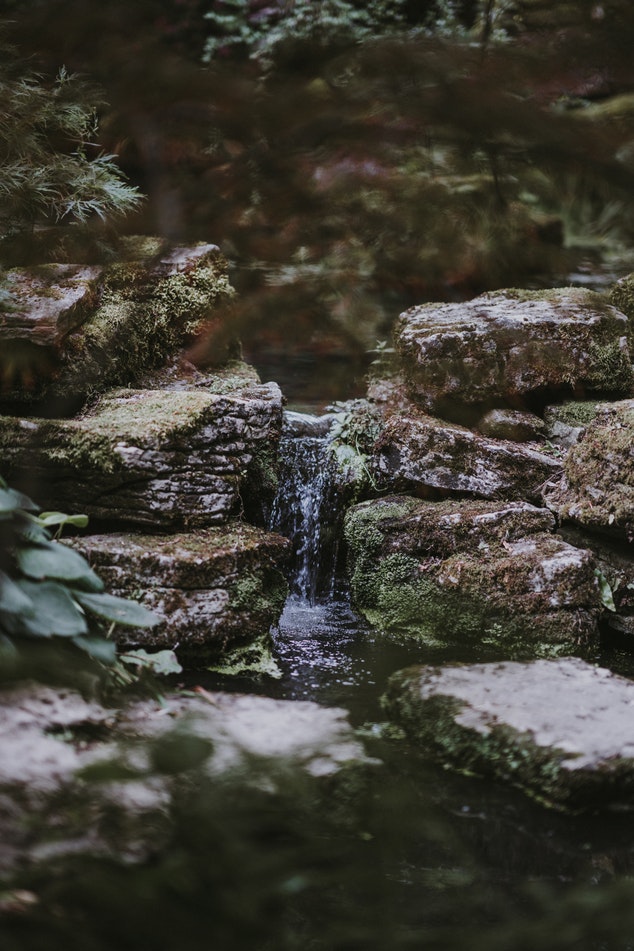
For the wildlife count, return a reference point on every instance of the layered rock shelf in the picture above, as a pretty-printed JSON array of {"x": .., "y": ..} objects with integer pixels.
[
  {"x": 562, "y": 730},
  {"x": 213, "y": 588}
]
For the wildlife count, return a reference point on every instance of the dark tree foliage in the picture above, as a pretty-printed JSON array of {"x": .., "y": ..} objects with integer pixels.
[{"x": 459, "y": 147}]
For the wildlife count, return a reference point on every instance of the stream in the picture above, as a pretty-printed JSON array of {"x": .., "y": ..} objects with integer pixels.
[{"x": 450, "y": 861}]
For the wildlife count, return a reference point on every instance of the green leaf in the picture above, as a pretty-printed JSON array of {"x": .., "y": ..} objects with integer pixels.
[
  {"x": 54, "y": 560},
  {"x": 161, "y": 663},
  {"x": 11, "y": 501},
  {"x": 100, "y": 648},
  {"x": 605, "y": 591},
  {"x": 55, "y": 612},
  {"x": 48, "y": 519},
  {"x": 12, "y": 599},
  {"x": 119, "y": 610},
  {"x": 29, "y": 529}
]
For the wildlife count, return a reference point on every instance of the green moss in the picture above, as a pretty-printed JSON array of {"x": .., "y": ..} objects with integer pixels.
[
  {"x": 622, "y": 297},
  {"x": 251, "y": 660},
  {"x": 610, "y": 368},
  {"x": 140, "y": 320},
  {"x": 574, "y": 413},
  {"x": 259, "y": 592}
]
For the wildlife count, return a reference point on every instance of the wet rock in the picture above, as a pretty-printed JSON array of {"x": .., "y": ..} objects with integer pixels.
[
  {"x": 597, "y": 487},
  {"x": 79, "y": 778},
  {"x": 472, "y": 573},
  {"x": 47, "y": 302},
  {"x": 213, "y": 588},
  {"x": 161, "y": 459},
  {"x": 560, "y": 729},
  {"x": 512, "y": 424},
  {"x": 511, "y": 346},
  {"x": 419, "y": 453},
  {"x": 133, "y": 314}
]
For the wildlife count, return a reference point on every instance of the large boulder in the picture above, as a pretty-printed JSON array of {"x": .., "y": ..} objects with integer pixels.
[
  {"x": 78, "y": 778},
  {"x": 162, "y": 459},
  {"x": 469, "y": 574},
  {"x": 77, "y": 330},
  {"x": 560, "y": 729},
  {"x": 513, "y": 348},
  {"x": 418, "y": 453},
  {"x": 596, "y": 490},
  {"x": 213, "y": 588}
]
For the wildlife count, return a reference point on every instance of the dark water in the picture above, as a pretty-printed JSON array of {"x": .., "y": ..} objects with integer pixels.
[
  {"x": 440, "y": 860},
  {"x": 403, "y": 856}
]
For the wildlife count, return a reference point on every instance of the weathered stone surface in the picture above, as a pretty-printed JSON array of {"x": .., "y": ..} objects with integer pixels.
[
  {"x": 562, "y": 730},
  {"x": 148, "y": 457},
  {"x": 418, "y": 453},
  {"x": 511, "y": 424},
  {"x": 47, "y": 302},
  {"x": 597, "y": 487},
  {"x": 136, "y": 313},
  {"x": 460, "y": 573},
  {"x": 47, "y": 736},
  {"x": 212, "y": 588},
  {"x": 507, "y": 346}
]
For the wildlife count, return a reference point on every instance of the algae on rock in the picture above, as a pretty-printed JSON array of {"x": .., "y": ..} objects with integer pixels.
[{"x": 472, "y": 573}]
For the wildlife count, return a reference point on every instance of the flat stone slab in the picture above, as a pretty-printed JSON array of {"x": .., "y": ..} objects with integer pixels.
[
  {"x": 416, "y": 453},
  {"x": 48, "y": 736},
  {"x": 47, "y": 302},
  {"x": 506, "y": 346},
  {"x": 466, "y": 573},
  {"x": 597, "y": 487},
  {"x": 161, "y": 459},
  {"x": 213, "y": 588},
  {"x": 562, "y": 730},
  {"x": 105, "y": 325}
]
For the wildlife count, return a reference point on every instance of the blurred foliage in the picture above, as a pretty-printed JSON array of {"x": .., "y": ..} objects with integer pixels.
[
  {"x": 50, "y": 597},
  {"x": 50, "y": 168},
  {"x": 354, "y": 159}
]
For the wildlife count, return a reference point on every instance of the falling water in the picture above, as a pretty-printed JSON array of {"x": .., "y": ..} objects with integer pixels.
[{"x": 306, "y": 508}]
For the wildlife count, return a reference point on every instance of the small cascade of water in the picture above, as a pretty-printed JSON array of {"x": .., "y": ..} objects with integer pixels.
[{"x": 305, "y": 508}]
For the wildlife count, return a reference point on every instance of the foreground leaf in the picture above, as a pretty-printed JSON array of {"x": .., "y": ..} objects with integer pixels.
[
  {"x": 161, "y": 663},
  {"x": 55, "y": 612},
  {"x": 119, "y": 610},
  {"x": 12, "y": 599},
  {"x": 54, "y": 560},
  {"x": 99, "y": 648}
]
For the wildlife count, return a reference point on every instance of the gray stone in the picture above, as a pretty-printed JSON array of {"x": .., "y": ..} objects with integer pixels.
[
  {"x": 213, "y": 588},
  {"x": 512, "y": 424},
  {"x": 566, "y": 422},
  {"x": 508, "y": 346},
  {"x": 596, "y": 490},
  {"x": 162, "y": 459},
  {"x": 562, "y": 730},
  {"x": 472, "y": 573},
  {"x": 417, "y": 453},
  {"x": 49, "y": 808},
  {"x": 47, "y": 302}
]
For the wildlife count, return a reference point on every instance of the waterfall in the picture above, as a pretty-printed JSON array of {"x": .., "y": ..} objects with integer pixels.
[{"x": 306, "y": 508}]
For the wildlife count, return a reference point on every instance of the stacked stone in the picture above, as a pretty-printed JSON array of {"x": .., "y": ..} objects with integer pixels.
[
  {"x": 161, "y": 450},
  {"x": 505, "y": 459}
]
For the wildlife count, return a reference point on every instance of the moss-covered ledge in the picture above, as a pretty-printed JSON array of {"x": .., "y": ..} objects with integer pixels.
[
  {"x": 213, "y": 589},
  {"x": 471, "y": 573},
  {"x": 160, "y": 458}
]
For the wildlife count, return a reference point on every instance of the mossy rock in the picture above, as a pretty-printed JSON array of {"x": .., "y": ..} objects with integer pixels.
[
  {"x": 561, "y": 730},
  {"x": 514, "y": 348},
  {"x": 213, "y": 589},
  {"x": 158, "y": 458},
  {"x": 597, "y": 487},
  {"x": 472, "y": 573}
]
